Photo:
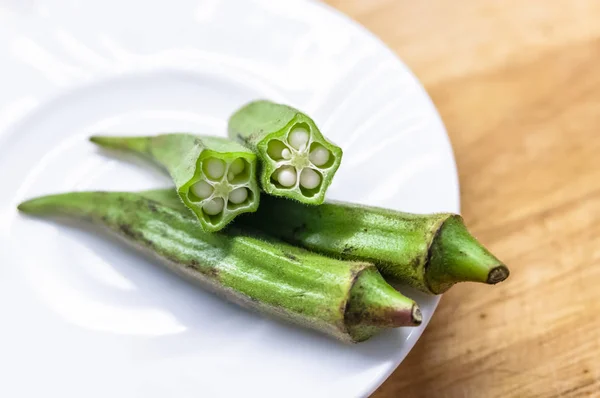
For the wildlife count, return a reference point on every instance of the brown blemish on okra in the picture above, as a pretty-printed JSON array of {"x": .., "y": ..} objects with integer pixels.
[
  {"x": 290, "y": 256},
  {"x": 300, "y": 229},
  {"x": 347, "y": 250}
]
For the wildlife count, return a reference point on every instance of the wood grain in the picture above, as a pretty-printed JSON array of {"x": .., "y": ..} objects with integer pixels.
[{"x": 518, "y": 86}]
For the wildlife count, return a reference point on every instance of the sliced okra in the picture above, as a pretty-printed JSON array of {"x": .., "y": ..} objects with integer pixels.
[
  {"x": 298, "y": 162},
  {"x": 215, "y": 177}
]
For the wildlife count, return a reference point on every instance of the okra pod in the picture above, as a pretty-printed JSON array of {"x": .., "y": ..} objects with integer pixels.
[
  {"x": 297, "y": 161},
  {"x": 214, "y": 177},
  {"x": 346, "y": 300},
  {"x": 430, "y": 252}
]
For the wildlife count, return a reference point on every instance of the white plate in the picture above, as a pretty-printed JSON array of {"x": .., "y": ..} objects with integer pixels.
[{"x": 83, "y": 316}]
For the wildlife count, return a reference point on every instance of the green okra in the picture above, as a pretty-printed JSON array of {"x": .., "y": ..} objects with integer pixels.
[
  {"x": 430, "y": 252},
  {"x": 215, "y": 177},
  {"x": 297, "y": 161},
  {"x": 344, "y": 299}
]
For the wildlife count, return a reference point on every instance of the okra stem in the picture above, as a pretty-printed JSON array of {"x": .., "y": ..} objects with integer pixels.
[
  {"x": 430, "y": 252},
  {"x": 347, "y": 300},
  {"x": 297, "y": 161},
  {"x": 215, "y": 177}
]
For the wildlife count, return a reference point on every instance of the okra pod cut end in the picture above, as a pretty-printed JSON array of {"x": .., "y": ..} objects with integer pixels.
[
  {"x": 374, "y": 305},
  {"x": 215, "y": 177},
  {"x": 298, "y": 162},
  {"x": 456, "y": 256},
  {"x": 223, "y": 187}
]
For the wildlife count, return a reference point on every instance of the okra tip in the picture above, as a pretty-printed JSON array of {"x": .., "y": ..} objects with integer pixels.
[
  {"x": 373, "y": 302},
  {"x": 36, "y": 205},
  {"x": 25, "y": 207},
  {"x": 104, "y": 140},
  {"x": 46, "y": 206},
  {"x": 417, "y": 316},
  {"x": 456, "y": 256},
  {"x": 497, "y": 274},
  {"x": 72, "y": 203},
  {"x": 133, "y": 143}
]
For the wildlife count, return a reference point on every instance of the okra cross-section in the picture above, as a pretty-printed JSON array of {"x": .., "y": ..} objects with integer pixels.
[
  {"x": 215, "y": 177},
  {"x": 298, "y": 162}
]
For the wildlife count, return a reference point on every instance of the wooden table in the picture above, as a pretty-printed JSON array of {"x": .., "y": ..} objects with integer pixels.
[{"x": 517, "y": 83}]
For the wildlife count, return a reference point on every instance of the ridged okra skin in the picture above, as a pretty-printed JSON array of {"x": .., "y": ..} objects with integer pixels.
[
  {"x": 347, "y": 300},
  {"x": 215, "y": 177},
  {"x": 430, "y": 252},
  {"x": 297, "y": 161}
]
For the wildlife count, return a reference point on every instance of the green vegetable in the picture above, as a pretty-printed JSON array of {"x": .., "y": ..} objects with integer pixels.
[
  {"x": 297, "y": 161},
  {"x": 428, "y": 252},
  {"x": 347, "y": 300},
  {"x": 215, "y": 177}
]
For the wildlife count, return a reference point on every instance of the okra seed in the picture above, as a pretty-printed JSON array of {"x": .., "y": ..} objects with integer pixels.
[
  {"x": 287, "y": 176},
  {"x": 286, "y": 154},
  {"x": 309, "y": 178},
  {"x": 275, "y": 149},
  {"x": 213, "y": 206},
  {"x": 299, "y": 137},
  {"x": 238, "y": 195},
  {"x": 319, "y": 155},
  {"x": 230, "y": 176},
  {"x": 202, "y": 189},
  {"x": 237, "y": 166},
  {"x": 214, "y": 168}
]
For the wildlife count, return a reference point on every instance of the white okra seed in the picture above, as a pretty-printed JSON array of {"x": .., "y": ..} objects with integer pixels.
[
  {"x": 202, "y": 189},
  {"x": 286, "y": 176},
  {"x": 275, "y": 148},
  {"x": 230, "y": 176},
  {"x": 319, "y": 155},
  {"x": 286, "y": 154},
  {"x": 214, "y": 168},
  {"x": 213, "y": 206},
  {"x": 299, "y": 137},
  {"x": 238, "y": 195},
  {"x": 309, "y": 178},
  {"x": 237, "y": 166}
]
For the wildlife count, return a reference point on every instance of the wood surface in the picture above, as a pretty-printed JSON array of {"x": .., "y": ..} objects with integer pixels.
[{"x": 517, "y": 83}]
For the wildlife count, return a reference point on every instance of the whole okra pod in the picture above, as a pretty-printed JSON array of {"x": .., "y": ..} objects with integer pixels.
[
  {"x": 430, "y": 252},
  {"x": 347, "y": 300},
  {"x": 297, "y": 161},
  {"x": 214, "y": 177}
]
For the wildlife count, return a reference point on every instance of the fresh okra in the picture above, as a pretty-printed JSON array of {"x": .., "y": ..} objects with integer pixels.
[
  {"x": 428, "y": 252},
  {"x": 297, "y": 161},
  {"x": 347, "y": 300},
  {"x": 215, "y": 177}
]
